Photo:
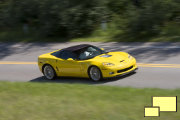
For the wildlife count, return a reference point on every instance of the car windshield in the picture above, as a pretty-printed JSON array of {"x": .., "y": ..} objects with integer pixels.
[{"x": 90, "y": 52}]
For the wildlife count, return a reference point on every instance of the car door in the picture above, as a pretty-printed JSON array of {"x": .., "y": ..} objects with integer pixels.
[{"x": 68, "y": 66}]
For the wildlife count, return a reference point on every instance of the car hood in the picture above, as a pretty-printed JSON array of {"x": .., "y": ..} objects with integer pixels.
[{"x": 112, "y": 57}]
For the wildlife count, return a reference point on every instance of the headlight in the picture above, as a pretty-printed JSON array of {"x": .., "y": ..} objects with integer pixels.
[{"x": 108, "y": 64}]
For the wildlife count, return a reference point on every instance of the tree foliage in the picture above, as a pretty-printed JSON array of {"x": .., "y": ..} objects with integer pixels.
[
  {"x": 53, "y": 17},
  {"x": 73, "y": 18},
  {"x": 145, "y": 16}
]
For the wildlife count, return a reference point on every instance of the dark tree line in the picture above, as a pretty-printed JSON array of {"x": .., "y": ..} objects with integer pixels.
[{"x": 73, "y": 18}]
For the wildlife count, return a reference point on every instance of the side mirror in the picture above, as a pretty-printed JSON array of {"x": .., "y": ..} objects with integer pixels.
[
  {"x": 70, "y": 59},
  {"x": 102, "y": 48}
]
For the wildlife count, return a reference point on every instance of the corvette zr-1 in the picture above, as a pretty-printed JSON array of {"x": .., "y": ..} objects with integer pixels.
[{"x": 86, "y": 61}]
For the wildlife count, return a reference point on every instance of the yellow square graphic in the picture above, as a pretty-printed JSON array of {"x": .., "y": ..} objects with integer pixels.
[
  {"x": 151, "y": 112},
  {"x": 165, "y": 103}
]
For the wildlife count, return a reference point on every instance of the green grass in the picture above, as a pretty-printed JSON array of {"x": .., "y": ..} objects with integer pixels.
[{"x": 53, "y": 101}]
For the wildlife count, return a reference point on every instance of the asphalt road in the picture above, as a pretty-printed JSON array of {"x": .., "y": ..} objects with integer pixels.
[{"x": 159, "y": 63}]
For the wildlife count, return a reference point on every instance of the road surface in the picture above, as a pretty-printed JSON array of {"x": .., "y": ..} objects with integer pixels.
[{"x": 159, "y": 63}]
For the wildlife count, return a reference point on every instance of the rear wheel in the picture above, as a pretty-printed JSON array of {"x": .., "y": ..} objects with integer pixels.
[
  {"x": 49, "y": 72},
  {"x": 95, "y": 73}
]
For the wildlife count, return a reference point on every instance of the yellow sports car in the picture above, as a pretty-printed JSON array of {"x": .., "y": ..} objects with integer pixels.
[{"x": 86, "y": 61}]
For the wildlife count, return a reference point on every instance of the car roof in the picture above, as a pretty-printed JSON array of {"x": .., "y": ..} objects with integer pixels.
[{"x": 77, "y": 47}]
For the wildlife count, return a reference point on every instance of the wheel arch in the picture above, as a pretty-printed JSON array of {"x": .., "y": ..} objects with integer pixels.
[
  {"x": 97, "y": 67},
  {"x": 90, "y": 67},
  {"x": 45, "y": 65}
]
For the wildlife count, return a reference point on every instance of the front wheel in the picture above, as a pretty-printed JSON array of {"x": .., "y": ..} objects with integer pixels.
[
  {"x": 95, "y": 73},
  {"x": 49, "y": 72}
]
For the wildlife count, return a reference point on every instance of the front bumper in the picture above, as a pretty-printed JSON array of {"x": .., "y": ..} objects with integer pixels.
[
  {"x": 117, "y": 71},
  {"x": 127, "y": 72}
]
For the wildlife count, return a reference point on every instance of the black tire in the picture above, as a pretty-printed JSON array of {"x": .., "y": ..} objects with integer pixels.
[
  {"x": 95, "y": 76},
  {"x": 49, "y": 72}
]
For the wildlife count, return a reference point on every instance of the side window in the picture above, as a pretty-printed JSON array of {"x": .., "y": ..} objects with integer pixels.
[
  {"x": 57, "y": 54},
  {"x": 64, "y": 55},
  {"x": 68, "y": 54}
]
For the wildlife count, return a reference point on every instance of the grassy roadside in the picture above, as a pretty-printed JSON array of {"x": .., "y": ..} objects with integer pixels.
[{"x": 50, "y": 101}]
